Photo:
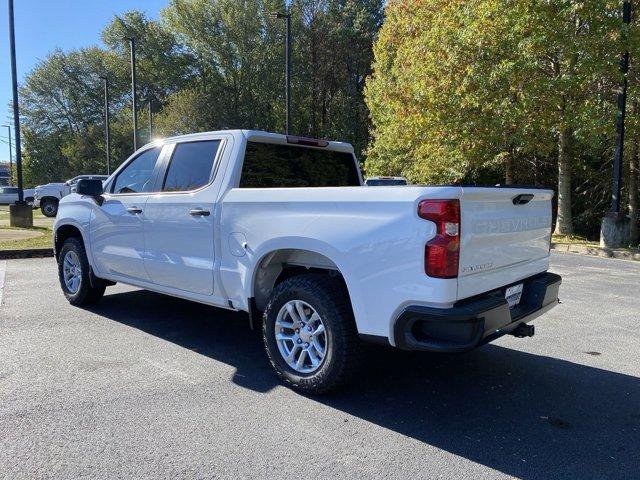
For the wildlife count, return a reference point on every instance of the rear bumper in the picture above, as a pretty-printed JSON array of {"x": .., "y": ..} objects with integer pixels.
[{"x": 475, "y": 321}]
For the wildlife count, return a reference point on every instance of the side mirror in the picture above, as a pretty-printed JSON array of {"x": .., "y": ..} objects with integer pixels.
[{"x": 90, "y": 187}]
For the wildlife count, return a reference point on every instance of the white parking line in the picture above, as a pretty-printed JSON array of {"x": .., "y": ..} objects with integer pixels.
[{"x": 3, "y": 270}]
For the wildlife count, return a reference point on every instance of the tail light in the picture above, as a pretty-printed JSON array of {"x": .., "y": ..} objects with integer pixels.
[{"x": 442, "y": 253}]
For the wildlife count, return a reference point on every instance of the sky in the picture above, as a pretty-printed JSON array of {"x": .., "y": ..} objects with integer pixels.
[{"x": 44, "y": 25}]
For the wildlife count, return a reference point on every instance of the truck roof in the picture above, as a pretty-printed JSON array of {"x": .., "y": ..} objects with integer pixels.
[{"x": 268, "y": 137}]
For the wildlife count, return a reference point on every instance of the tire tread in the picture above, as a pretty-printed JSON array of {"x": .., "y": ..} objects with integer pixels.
[
  {"x": 88, "y": 294},
  {"x": 349, "y": 356}
]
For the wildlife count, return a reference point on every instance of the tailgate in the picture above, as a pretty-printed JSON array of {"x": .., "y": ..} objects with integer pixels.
[{"x": 505, "y": 235}]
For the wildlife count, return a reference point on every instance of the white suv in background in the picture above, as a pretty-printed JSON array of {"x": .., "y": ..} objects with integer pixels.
[{"x": 9, "y": 195}]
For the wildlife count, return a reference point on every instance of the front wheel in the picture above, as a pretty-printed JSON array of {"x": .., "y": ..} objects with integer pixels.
[
  {"x": 310, "y": 334},
  {"x": 49, "y": 208},
  {"x": 74, "y": 274}
]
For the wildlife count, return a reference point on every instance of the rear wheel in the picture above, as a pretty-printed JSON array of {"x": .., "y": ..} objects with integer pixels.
[
  {"x": 49, "y": 208},
  {"x": 310, "y": 335},
  {"x": 74, "y": 274}
]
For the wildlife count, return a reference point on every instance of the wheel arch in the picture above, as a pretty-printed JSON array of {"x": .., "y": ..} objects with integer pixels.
[
  {"x": 278, "y": 264},
  {"x": 63, "y": 232},
  {"x": 49, "y": 198}
]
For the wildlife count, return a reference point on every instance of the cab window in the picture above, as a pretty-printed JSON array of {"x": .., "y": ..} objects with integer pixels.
[
  {"x": 191, "y": 166},
  {"x": 286, "y": 166},
  {"x": 137, "y": 176}
]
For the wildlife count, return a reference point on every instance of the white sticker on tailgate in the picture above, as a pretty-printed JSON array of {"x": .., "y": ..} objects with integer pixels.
[{"x": 513, "y": 295}]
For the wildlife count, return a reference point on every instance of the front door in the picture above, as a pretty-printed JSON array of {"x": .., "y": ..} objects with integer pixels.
[
  {"x": 117, "y": 227},
  {"x": 179, "y": 220}
]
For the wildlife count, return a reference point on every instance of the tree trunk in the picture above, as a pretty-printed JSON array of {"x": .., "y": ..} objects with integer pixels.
[
  {"x": 508, "y": 169},
  {"x": 633, "y": 190},
  {"x": 564, "y": 222},
  {"x": 314, "y": 81}
]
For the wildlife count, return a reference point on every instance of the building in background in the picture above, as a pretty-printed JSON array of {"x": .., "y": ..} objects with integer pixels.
[{"x": 5, "y": 174}]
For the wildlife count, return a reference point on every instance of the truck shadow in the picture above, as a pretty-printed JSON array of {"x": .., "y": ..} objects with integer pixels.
[{"x": 526, "y": 415}]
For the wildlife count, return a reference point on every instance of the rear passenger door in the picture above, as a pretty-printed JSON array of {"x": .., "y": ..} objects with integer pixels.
[{"x": 179, "y": 220}]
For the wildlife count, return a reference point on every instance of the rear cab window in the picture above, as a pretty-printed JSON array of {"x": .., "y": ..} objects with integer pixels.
[
  {"x": 269, "y": 165},
  {"x": 191, "y": 166}
]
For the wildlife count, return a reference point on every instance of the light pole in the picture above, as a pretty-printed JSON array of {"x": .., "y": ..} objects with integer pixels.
[
  {"x": 132, "y": 45},
  {"x": 20, "y": 214},
  {"x": 287, "y": 56},
  {"x": 614, "y": 231},
  {"x": 620, "y": 127},
  {"x": 107, "y": 127},
  {"x": 150, "y": 122},
  {"x": 10, "y": 155},
  {"x": 16, "y": 108}
]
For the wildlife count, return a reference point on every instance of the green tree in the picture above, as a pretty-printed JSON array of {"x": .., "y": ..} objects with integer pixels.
[
  {"x": 333, "y": 56},
  {"x": 236, "y": 62},
  {"x": 163, "y": 66},
  {"x": 205, "y": 65},
  {"x": 62, "y": 104},
  {"x": 459, "y": 86}
]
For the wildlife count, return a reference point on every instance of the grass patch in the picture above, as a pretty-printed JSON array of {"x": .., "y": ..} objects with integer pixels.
[
  {"x": 43, "y": 241},
  {"x": 38, "y": 218},
  {"x": 574, "y": 239},
  {"x": 37, "y": 213}
]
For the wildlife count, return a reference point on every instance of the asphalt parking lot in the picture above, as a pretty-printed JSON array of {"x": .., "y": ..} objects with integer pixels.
[{"x": 147, "y": 386}]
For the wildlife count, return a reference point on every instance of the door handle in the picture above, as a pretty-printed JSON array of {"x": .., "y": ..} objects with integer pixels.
[
  {"x": 134, "y": 210},
  {"x": 199, "y": 212}
]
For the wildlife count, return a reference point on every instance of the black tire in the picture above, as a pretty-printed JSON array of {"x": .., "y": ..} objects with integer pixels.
[
  {"x": 49, "y": 208},
  {"x": 87, "y": 294},
  {"x": 343, "y": 357}
]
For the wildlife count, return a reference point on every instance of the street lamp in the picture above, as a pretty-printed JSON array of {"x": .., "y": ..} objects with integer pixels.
[
  {"x": 150, "y": 121},
  {"x": 614, "y": 228},
  {"x": 16, "y": 107},
  {"x": 20, "y": 214},
  {"x": 107, "y": 136},
  {"x": 287, "y": 55},
  {"x": 620, "y": 127},
  {"x": 10, "y": 155},
  {"x": 132, "y": 45}
]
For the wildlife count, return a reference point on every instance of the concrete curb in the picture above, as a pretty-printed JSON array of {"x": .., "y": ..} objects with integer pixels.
[
  {"x": 26, "y": 253},
  {"x": 622, "y": 254}
]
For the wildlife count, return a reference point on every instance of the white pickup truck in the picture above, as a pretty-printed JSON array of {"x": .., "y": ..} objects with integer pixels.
[
  {"x": 47, "y": 197},
  {"x": 282, "y": 227}
]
